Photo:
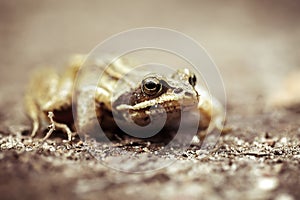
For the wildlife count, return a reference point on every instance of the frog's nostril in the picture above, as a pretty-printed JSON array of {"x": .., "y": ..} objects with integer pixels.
[
  {"x": 188, "y": 94},
  {"x": 178, "y": 90}
]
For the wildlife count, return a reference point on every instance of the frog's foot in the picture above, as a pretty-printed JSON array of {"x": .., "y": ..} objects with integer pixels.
[{"x": 53, "y": 125}]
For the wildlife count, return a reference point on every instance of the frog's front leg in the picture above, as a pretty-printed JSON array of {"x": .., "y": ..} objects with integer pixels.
[
  {"x": 90, "y": 103},
  {"x": 212, "y": 115}
]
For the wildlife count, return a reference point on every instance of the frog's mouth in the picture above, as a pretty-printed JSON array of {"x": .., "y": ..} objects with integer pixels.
[
  {"x": 168, "y": 103},
  {"x": 142, "y": 113}
]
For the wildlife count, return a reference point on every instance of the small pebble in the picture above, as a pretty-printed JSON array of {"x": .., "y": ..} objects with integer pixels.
[
  {"x": 283, "y": 140},
  {"x": 28, "y": 149},
  {"x": 284, "y": 197},
  {"x": 268, "y": 183}
]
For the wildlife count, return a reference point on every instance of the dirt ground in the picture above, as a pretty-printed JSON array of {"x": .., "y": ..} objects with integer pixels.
[{"x": 255, "y": 44}]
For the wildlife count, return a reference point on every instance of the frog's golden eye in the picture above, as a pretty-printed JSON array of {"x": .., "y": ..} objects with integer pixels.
[
  {"x": 151, "y": 86},
  {"x": 192, "y": 80}
]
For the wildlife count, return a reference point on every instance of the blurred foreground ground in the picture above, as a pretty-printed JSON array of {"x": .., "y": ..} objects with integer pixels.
[{"x": 254, "y": 44}]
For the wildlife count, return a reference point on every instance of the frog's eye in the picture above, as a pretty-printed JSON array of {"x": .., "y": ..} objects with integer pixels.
[
  {"x": 151, "y": 86},
  {"x": 192, "y": 80}
]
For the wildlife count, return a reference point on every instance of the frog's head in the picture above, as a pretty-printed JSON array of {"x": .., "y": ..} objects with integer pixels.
[{"x": 157, "y": 94}]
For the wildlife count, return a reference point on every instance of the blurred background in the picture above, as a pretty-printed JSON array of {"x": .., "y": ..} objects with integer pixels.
[{"x": 254, "y": 43}]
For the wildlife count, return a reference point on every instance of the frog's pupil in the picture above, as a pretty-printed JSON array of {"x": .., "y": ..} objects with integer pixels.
[{"x": 150, "y": 85}]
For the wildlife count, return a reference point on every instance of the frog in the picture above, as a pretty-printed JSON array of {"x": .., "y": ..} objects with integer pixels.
[{"x": 48, "y": 99}]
